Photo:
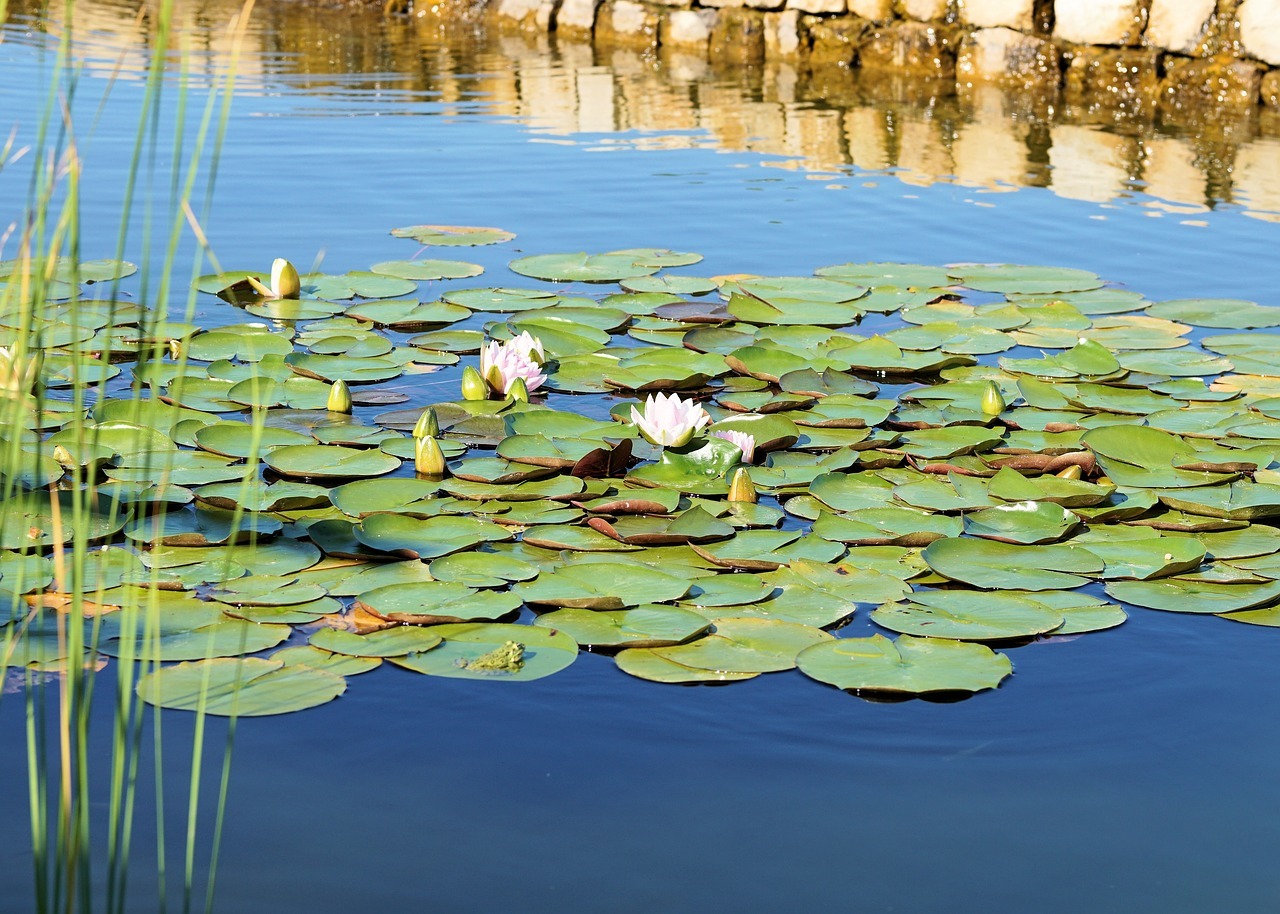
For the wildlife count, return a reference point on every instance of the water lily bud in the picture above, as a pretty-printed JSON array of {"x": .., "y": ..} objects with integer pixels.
[
  {"x": 428, "y": 425},
  {"x": 284, "y": 279},
  {"x": 175, "y": 349},
  {"x": 339, "y": 397},
  {"x": 518, "y": 391},
  {"x": 473, "y": 386},
  {"x": 1104, "y": 481},
  {"x": 18, "y": 375},
  {"x": 992, "y": 400},
  {"x": 741, "y": 488},
  {"x": 64, "y": 457},
  {"x": 1071, "y": 472},
  {"x": 493, "y": 379},
  {"x": 428, "y": 459}
]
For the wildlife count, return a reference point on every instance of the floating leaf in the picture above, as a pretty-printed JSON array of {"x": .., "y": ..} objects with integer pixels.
[
  {"x": 1003, "y": 566},
  {"x": 916, "y": 666},
  {"x": 453, "y": 235},
  {"x": 644, "y": 626},
  {"x": 542, "y": 652},
  {"x": 240, "y": 687}
]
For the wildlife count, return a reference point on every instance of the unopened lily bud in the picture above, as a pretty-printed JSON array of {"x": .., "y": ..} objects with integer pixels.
[
  {"x": 1071, "y": 472},
  {"x": 428, "y": 425},
  {"x": 518, "y": 391},
  {"x": 284, "y": 279},
  {"x": 1104, "y": 481},
  {"x": 285, "y": 282},
  {"x": 339, "y": 397},
  {"x": 64, "y": 457},
  {"x": 175, "y": 349},
  {"x": 741, "y": 488},
  {"x": 493, "y": 379},
  {"x": 428, "y": 459},
  {"x": 992, "y": 400},
  {"x": 473, "y": 386}
]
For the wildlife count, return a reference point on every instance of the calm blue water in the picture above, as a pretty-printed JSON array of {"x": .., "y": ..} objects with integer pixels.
[{"x": 1129, "y": 770}]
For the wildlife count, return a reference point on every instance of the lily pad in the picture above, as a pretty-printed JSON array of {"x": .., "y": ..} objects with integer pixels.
[
  {"x": 469, "y": 650},
  {"x": 908, "y": 665},
  {"x": 643, "y": 626},
  {"x": 240, "y": 687}
]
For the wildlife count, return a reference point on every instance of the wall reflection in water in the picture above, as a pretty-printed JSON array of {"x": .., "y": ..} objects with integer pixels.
[{"x": 830, "y": 121}]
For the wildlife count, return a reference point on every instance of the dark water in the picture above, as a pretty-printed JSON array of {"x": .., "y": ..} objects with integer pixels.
[{"x": 1129, "y": 770}]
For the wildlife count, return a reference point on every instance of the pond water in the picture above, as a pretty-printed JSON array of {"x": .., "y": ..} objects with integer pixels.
[{"x": 1128, "y": 770}]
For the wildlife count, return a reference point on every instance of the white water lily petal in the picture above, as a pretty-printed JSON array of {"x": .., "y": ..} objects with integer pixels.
[
  {"x": 668, "y": 421},
  {"x": 745, "y": 442}
]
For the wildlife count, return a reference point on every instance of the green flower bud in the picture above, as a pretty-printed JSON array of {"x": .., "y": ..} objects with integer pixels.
[
  {"x": 428, "y": 459},
  {"x": 992, "y": 401},
  {"x": 518, "y": 391},
  {"x": 473, "y": 386},
  {"x": 428, "y": 425},
  {"x": 339, "y": 397},
  {"x": 741, "y": 488}
]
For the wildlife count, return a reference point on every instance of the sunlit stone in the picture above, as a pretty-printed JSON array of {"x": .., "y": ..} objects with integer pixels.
[
  {"x": 1260, "y": 29},
  {"x": 1178, "y": 25},
  {"x": 1099, "y": 21},
  {"x": 1013, "y": 14}
]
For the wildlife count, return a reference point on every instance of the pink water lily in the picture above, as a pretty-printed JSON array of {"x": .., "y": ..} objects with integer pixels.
[
  {"x": 528, "y": 346},
  {"x": 746, "y": 443},
  {"x": 669, "y": 421},
  {"x": 501, "y": 364}
]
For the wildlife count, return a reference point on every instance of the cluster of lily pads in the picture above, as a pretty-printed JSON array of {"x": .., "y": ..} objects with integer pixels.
[{"x": 702, "y": 478}]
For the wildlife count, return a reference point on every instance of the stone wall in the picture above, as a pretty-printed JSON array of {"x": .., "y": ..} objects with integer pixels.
[{"x": 1134, "y": 54}]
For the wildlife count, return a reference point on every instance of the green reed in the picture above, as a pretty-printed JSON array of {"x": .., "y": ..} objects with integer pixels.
[{"x": 66, "y": 777}]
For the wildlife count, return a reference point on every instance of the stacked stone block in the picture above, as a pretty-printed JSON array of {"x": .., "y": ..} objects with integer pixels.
[{"x": 1123, "y": 53}]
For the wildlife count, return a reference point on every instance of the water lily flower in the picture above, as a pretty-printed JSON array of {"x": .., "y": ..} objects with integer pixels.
[
  {"x": 746, "y": 443},
  {"x": 284, "y": 281},
  {"x": 528, "y": 346},
  {"x": 18, "y": 375},
  {"x": 669, "y": 421},
  {"x": 501, "y": 364}
]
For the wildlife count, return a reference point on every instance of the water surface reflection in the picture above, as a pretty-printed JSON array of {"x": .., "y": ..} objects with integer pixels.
[{"x": 830, "y": 121}]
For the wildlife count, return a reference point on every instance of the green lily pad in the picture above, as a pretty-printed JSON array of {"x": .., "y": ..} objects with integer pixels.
[
  {"x": 1004, "y": 566},
  {"x": 582, "y": 267},
  {"x": 426, "y": 538},
  {"x": 240, "y": 687},
  {"x": 1179, "y": 595},
  {"x": 967, "y": 615},
  {"x": 643, "y": 626},
  {"x": 432, "y": 602},
  {"x": 427, "y": 270},
  {"x": 1022, "y": 522},
  {"x": 482, "y": 651},
  {"x": 329, "y": 662},
  {"x": 387, "y": 642},
  {"x": 602, "y": 586},
  {"x": 908, "y": 665},
  {"x": 317, "y": 461},
  {"x": 453, "y": 235},
  {"x": 741, "y": 645}
]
